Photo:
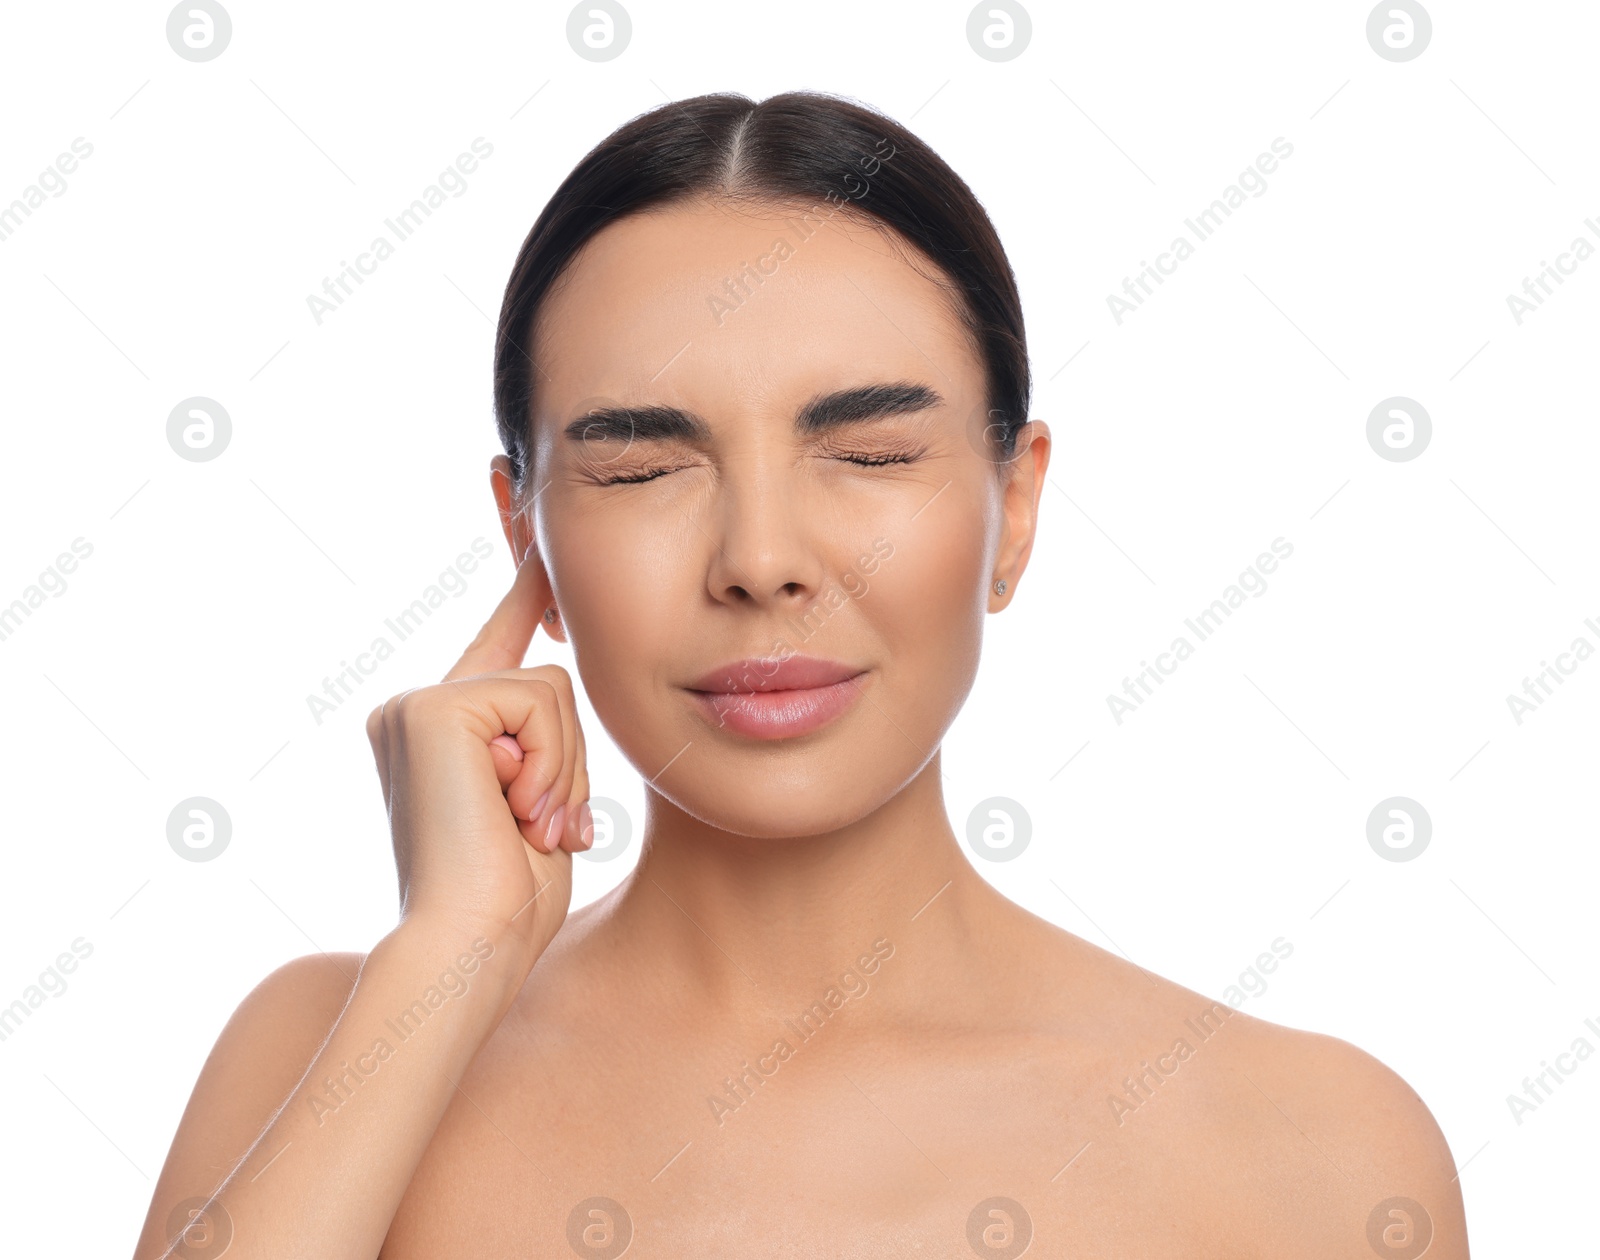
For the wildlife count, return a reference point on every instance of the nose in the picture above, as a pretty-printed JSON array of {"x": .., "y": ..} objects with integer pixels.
[{"x": 764, "y": 549}]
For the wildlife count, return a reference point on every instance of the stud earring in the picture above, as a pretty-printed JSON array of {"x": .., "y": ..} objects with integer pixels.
[
  {"x": 1000, "y": 587},
  {"x": 550, "y": 615}
]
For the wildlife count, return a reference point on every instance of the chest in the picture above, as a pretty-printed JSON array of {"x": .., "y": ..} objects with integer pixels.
[{"x": 793, "y": 1146}]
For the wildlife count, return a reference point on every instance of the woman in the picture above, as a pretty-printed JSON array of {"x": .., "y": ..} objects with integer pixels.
[{"x": 762, "y": 385}]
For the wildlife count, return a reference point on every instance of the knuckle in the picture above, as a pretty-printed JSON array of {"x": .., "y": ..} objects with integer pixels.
[
  {"x": 382, "y": 719},
  {"x": 431, "y": 704},
  {"x": 548, "y": 695},
  {"x": 557, "y": 676},
  {"x": 552, "y": 691},
  {"x": 416, "y": 707}
]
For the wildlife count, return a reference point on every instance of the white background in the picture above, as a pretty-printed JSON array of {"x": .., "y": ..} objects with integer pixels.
[{"x": 1229, "y": 410}]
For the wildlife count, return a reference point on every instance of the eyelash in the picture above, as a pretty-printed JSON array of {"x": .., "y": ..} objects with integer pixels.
[
  {"x": 875, "y": 461},
  {"x": 634, "y": 479},
  {"x": 860, "y": 460}
]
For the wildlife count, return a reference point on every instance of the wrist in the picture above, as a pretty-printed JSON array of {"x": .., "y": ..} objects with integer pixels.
[{"x": 465, "y": 968}]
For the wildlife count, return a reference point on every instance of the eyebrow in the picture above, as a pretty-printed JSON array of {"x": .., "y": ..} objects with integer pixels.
[{"x": 826, "y": 411}]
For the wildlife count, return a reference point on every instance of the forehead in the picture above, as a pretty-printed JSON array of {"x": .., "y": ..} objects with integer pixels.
[{"x": 699, "y": 303}]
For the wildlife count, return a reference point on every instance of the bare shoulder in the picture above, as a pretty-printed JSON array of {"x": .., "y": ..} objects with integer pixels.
[
  {"x": 1326, "y": 1149},
  {"x": 1394, "y": 1166},
  {"x": 1348, "y": 1091},
  {"x": 257, "y": 1060}
]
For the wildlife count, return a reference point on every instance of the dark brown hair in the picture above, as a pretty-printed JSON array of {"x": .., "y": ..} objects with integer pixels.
[{"x": 799, "y": 147}]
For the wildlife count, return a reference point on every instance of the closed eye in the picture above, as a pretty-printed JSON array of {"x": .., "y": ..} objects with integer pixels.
[
  {"x": 634, "y": 478},
  {"x": 875, "y": 461},
  {"x": 858, "y": 458}
]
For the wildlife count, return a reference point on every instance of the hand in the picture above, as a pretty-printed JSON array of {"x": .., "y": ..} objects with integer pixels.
[{"x": 487, "y": 788}]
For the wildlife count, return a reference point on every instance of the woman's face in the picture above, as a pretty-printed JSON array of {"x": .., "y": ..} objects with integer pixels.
[{"x": 750, "y": 448}]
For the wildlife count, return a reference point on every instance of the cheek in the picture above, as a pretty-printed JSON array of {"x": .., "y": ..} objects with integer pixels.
[
  {"x": 931, "y": 587},
  {"x": 926, "y": 609},
  {"x": 618, "y": 588}
]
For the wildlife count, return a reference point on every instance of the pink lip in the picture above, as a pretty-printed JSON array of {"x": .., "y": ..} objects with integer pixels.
[
  {"x": 773, "y": 699},
  {"x": 756, "y": 673}
]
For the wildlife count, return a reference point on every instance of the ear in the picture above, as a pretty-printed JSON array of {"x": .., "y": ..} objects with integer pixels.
[
  {"x": 513, "y": 519},
  {"x": 517, "y": 523},
  {"x": 1025, "y": 475}
]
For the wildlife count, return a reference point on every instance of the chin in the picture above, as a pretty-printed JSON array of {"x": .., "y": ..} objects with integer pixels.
[{"x": 729, "y": 802}]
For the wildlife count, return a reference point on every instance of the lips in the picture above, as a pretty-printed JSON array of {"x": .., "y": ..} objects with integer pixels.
[
  {"x": 755, "y": 673},
  {"x": 768, "y": 698}
]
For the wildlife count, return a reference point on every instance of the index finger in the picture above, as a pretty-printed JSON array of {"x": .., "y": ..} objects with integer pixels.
[{"x": 504, "y": 639}]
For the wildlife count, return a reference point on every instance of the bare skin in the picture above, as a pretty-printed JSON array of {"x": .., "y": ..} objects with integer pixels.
[{"x": 804, "y": 1025}]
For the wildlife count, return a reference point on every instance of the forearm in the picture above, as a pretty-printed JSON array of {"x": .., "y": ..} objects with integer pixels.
[{"x": 326, "y": 1176}]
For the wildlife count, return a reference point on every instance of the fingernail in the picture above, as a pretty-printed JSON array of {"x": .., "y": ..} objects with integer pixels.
[
  {"x": 510, "y": 744},
  {"x": 538, "y": 807},
  {"x": 553, "y": 836},
  {"x": 586, "y": 825}
]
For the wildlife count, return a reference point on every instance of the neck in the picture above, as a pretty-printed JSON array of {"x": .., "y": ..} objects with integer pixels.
[{"x": 756, "y": 925}]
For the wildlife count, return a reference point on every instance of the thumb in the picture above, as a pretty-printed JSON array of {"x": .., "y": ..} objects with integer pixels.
[{"x": 507, "y": 754}]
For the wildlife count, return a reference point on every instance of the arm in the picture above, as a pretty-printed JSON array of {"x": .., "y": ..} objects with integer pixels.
[
  {"x": 323, "y": 1092},
  {"x": 329, "y": 1105}
]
